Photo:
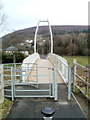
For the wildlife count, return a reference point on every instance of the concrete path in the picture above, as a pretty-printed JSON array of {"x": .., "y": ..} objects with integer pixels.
[{"x": 31, "y": 107}]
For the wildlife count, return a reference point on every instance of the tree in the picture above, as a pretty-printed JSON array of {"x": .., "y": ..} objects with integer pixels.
[
  {"x": 2, "y": 17},
  {"x": 2, "y": 20},
  {"x": 72, "y": 49},
  {"x": 82, "y": 43}
]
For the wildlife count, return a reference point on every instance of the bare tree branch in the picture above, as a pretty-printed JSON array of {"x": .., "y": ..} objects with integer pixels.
[{"x": 2, "y": 18}]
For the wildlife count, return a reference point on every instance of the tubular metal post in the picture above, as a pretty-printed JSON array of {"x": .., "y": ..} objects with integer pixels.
[
  {"x": 66, "y": 73},
  {"x": 74, "y": 75},
  {"x": 14, "y": 79},
  {"x": 37, "y": 74},
  {"x": 53, "y": 88},
  {"x": 12, "y": 84},
  {"x": 49, "y": 81},
  {"x": 69, "y": 82},
  {"x": 55, "y": 70}
]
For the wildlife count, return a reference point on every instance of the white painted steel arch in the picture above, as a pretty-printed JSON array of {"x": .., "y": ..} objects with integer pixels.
[{"x": 35, "y": 38}]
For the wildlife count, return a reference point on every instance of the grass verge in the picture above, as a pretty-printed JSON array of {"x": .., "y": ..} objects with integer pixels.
[
  {"x": 83, "y": 60},
  {"x": 4, "y": 107}
]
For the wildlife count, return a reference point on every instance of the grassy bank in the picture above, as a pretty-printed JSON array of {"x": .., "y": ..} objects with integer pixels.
[
  {"x": 83, "y": 60},
  {"x": 4, "y": 108}
]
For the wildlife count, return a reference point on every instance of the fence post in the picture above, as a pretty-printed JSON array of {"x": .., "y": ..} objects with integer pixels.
[
  {"x": 87, "y": 80},
  {"x": 12, "y": 88},
  {"x": 74, "y": 74},
  {"x": 69, "y": 82}
]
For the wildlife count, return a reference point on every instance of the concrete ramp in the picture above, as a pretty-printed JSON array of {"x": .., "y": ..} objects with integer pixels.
[{"x": 44, "y": 66}]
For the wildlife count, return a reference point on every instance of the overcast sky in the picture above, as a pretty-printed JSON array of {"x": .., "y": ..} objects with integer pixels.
[{"x": 22, "y": 14}]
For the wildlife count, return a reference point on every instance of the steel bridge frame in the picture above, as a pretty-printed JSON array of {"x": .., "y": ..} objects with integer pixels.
[{"x": 35, "y": 37}]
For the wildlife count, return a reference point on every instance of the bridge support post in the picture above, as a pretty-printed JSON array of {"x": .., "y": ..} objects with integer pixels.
[{"x": 69, "y": 82}]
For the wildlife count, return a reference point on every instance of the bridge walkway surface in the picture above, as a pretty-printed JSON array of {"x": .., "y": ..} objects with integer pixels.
[{"x": 31, "y": 107}]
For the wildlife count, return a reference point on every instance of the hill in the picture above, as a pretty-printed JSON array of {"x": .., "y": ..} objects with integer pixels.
[{"x": 20, "y": 36}]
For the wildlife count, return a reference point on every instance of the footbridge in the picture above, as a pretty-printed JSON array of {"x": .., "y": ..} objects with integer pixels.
[
  {"x": 37, "y": 77},
  {"x": 41, "y": 78}
]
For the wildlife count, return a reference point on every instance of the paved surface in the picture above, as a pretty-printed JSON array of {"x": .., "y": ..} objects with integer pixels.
[{"x": 31, "y": 107}]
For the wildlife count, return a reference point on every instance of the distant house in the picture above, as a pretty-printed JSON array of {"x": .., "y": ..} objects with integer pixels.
[
  {"x": 11, "y": 49},
  {"x": 25, "y": 52},
  {"x": 29, "y": 41},
  {"x": 21, "y": 44}
]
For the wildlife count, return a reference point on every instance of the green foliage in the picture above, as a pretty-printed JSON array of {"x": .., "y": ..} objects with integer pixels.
[
  {"x": 19, "y": 57},
  {"x": 71, "y": 44},
  {"x": 9, "y": 57},
  {"x": 6, "y": 106},
  {"x": 66, "y": 44},
  {"x": 68, "y": 40}
]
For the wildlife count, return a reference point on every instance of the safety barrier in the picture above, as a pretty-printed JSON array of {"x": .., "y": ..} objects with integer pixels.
[
  {"x": 14, "y": 86},
  {"x": 81, "y": 79},
  {"x": 26, "y": 64},
  {"x": 61, "y": 64},
  {"x": 63, "y": 68},
  {"x": 1, "y": 84}
]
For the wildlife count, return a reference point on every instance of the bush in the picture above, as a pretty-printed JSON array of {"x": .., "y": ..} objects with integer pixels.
[{"x": 9, "y": 57}]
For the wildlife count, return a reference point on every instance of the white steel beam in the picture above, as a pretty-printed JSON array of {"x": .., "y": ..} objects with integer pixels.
[{"x": 35, "y": 37}]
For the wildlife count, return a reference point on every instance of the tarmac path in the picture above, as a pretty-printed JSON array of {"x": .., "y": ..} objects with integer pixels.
[{"x": 31, "y": 107}]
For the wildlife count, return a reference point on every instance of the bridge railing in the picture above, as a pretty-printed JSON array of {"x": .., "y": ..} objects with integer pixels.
[
  {"x": 1, "y": 84},
  {"x": 61, "y": 65},
  {"x": 63, "y": 68},
  {"x": 26, "y": 64}
]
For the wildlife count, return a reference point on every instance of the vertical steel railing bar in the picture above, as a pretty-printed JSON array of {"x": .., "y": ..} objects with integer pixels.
[
  {"x": 14, "y": 81},
  {"x": 53, "y": 84},
  {"x": 56, "y": 92},
  {"x": 3, "y": 80},
  {"x": 37, "y": 74},
  {"x": 49, "y": 82},
  {"x": 12, "y": 94}
]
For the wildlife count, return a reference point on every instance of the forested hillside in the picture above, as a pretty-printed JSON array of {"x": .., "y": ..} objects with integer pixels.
[{"x": 68, "y": 40}]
